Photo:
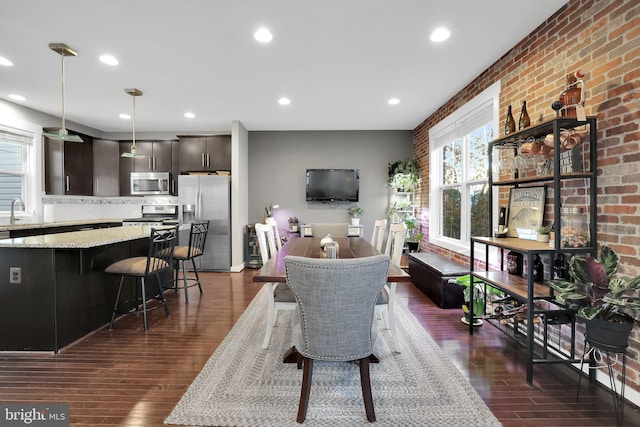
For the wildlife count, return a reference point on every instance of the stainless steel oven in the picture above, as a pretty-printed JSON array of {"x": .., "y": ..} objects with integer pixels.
[
  {"x": 155, "y": 216},
  {"x": 150, "y": 183}
]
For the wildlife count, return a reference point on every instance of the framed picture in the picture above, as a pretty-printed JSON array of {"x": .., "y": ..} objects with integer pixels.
[{"x": 526, "y": 211}]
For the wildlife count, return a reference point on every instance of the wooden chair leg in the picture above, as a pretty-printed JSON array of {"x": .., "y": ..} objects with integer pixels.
[
  {"x": 365, "y": 381},
  {"x": 307, "y": 373}
]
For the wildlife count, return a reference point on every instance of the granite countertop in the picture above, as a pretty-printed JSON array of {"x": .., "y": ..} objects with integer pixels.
[
  {"x": 26, "y": 224},
  {"x": 79, "y": 239}
]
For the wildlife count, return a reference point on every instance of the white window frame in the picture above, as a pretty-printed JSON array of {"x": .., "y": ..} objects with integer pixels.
[
  {"x": 32, "y": 164},
  {"x": 491, "y": 94}
]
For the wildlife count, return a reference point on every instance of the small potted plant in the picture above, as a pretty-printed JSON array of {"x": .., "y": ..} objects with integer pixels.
[
  {"x": 543, "y": 234},
  {"x": 414, "y": 233},
  {"x": 610, "y": 305},
  {"x": 293, "y": 224},
  {"x": 355, "y": 212}
]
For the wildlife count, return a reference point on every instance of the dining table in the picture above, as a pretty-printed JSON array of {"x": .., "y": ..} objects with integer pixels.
[{"x": 349, "y": 247}]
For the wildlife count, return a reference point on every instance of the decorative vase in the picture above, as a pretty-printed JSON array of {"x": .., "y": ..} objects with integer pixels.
[
  {"x": 607, "y": 335},
  {"x": 413, "y": 246},
  {"x": 355, "y": 221}
]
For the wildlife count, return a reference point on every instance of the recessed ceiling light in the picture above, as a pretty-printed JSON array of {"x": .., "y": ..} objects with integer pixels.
[
  {"x": 189, "y": 115},
  {"x": 125, "y": 116},
  {"x": 263, "y": 35},
  {"x": 5, "y": 61},
  {"x": 17, "y": 97},
  {"x": 440, "y": 34},
  {"x": 109, "y": 60},
  {"x": 284, "y": 101},
  {"x": 393, "y": 101}
]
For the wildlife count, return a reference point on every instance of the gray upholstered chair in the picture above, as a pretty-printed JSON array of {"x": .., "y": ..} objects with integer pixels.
[
  {"x": 148, "y": 271},
  {"x": 279, "y": 294},
  {"x": 335, "y": 314},
  {"x": 335, "y": 229},
  {"x": 183, "y": 254}
]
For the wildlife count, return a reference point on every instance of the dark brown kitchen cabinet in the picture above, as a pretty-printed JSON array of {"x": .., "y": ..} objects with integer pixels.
[
  {"x": 158, "y": 157},
  {"x": 68, "y": 167},
  {"x": 106, "y": 167},
  {"x": 205, "y": 153}
]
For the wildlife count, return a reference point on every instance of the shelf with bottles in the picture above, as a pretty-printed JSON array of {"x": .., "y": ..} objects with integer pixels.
[{"x": 536, "y": 153}]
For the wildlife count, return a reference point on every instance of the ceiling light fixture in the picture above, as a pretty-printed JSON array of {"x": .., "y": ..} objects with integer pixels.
[
  {"x": 109, "y": 60},
  {"x": 62, "y": 134},
  {"x": 189, "y": 115},
  {"x": 4, "y": 61},
  {"x": 17, "y": 97},
  {"x": 133, "y": 153},
  {"x": 440, "y": 35},
  {"x": 393, "y": 101},
  {"x": 125, "y": 116},
  {"x": 263, "y": 35},
  {"x": 284, "y": 101}
]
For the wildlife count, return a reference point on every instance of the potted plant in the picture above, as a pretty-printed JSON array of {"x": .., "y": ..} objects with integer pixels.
[
  {"x": 356, "y": 212},
  {"x": 404, "y": 175},
  {"x": 268, "y": 210},
  {"x": 478, "y": 300},
  {"x": 543, "y": 234},
  {"x": 601, "y": 298},
  {"x": 293, "y": 224},
  {"x": 414, "y": 233}
]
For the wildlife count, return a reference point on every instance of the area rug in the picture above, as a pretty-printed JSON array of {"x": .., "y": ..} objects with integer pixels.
[{"x": 243, "y": 385}]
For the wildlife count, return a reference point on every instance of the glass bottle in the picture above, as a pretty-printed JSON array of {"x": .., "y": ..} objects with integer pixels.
[
  {"x": 538, "y": 269},
  {"x": 510, "y": 123},
  {"x": 514, "y": 263},
  {"x": 560, "y": 267},
  {"x": 524, "y": 121}
]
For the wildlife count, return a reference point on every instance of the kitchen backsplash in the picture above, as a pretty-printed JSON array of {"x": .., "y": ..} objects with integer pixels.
[{"x": 65, "y": 208}]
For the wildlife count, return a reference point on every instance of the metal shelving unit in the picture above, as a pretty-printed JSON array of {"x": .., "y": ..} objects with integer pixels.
[{"x": 538, "y": 296}]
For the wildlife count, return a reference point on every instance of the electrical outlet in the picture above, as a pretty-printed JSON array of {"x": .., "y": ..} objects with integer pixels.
[{"x": 15, "y": 275}]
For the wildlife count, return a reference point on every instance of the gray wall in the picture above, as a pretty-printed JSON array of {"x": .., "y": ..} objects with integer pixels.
[{"x": 278, "y": 162}]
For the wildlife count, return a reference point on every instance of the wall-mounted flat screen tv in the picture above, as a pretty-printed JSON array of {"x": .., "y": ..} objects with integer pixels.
[{"x": 333, "y": 185}]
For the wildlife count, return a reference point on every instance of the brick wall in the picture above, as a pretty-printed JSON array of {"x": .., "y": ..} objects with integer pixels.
[{"x": 602, "y": 38}]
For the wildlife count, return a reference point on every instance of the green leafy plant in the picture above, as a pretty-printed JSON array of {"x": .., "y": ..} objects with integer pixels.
[
  {"x": 545, "y": 229},
  {"x": 356, "y": 211},
  {"x": 293, "y": 220},
  {"x": 596, "y": 292},
  {"x": 414, "y": 229},
  {"x": 404, "y": 175},
  {"x": 268, "y": 210}
]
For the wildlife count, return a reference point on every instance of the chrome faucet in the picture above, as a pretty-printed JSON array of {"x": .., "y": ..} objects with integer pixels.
[{"x": 12, "y": 218}]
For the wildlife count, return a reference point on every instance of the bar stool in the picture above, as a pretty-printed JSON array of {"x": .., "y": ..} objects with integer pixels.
[
  {"x": 182, "y": 254},
  {"x": 154, "y": 266}
]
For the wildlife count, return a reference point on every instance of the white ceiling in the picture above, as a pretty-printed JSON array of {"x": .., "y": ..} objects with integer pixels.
[{"x": 339, "y": 61}]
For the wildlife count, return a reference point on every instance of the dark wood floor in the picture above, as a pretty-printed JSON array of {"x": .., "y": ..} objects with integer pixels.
[{"x": 130, "y": 378}]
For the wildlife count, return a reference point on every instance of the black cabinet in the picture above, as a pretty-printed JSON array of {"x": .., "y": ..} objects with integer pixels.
[
  {"x": 158, "y": 157},
  {"x": 106, "y": 168},
  {"x": 68, "y": 167},
  {"x": 205, "y": 153}
]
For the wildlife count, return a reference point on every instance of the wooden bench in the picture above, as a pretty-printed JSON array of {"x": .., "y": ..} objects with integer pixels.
[{"x": 431, "y": 273}]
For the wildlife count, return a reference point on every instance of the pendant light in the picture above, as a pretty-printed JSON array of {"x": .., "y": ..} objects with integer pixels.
[
  {"x": 133, "y": 153},
  {"x": 62, "y": 134}
]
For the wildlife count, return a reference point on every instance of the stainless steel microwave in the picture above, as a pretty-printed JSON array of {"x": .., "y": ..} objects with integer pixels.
[{"x": 150, "y": 183}]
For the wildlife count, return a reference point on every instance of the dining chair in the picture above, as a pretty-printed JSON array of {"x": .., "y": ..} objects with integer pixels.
[
  {"x": 336, "y": 230},
  {"x": 387, "y": 298},
  {"x": 379, "y": 227},
  {"x": 334, "y": 317},
  {"x": 183, "y": 254},
  {"x": 148, "y": 272},
  {"x": 279, "y": 294},
  {"x": 276, "y": 233}
]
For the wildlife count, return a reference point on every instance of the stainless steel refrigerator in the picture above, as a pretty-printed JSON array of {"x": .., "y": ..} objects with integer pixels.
[{"x": 208, "y": 197}]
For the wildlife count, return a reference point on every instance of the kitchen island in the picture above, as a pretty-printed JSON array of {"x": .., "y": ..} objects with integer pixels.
[{"x": 63, "y": 293}]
